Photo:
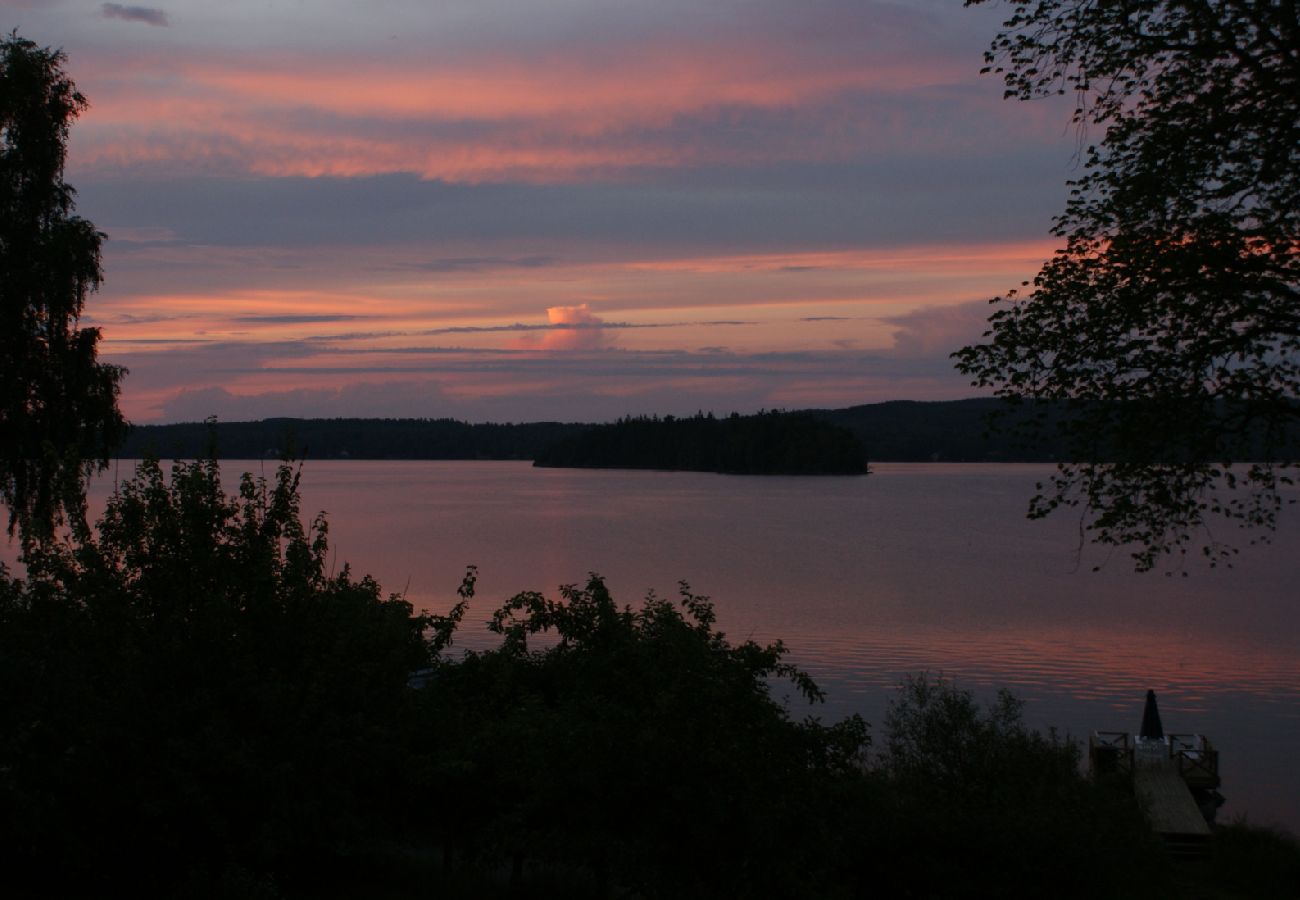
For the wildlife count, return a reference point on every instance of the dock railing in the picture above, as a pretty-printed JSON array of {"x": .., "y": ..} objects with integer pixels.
[
  {"x": 1111, "y": 752},
  {"x": 1192, "y": 755},
  {"x": 1198, "y": 761}
]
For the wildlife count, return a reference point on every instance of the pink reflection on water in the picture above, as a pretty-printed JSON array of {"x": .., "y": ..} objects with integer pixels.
[{"x": 1090, "y": 663}]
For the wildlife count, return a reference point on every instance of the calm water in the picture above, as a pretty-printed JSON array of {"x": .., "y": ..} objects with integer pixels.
[{"x": 919, "y": 566}]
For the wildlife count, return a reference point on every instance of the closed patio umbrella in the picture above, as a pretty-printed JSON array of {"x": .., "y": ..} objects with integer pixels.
[{"x": 1151, "y": 727}]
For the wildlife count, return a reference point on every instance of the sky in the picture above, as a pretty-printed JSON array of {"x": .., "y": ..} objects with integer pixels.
[{"x": 519, "y": 210}]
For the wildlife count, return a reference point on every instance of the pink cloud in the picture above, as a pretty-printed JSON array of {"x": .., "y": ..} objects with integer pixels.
[
  {"x": 494, "y": 116},
  {"x": 572, "y": 328}
]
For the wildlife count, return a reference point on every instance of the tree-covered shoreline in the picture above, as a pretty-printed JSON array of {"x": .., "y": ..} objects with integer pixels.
[
  {"x": 357, "y": 438},
  {"x": 972, "y": 430},
  {"x": 769, "y": 443},
  {"x": 894, "y": 431}
]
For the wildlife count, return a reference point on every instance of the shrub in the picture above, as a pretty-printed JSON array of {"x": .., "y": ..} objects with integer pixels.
[
  {"x": 640, "y": 746},
  {"x": 978, "y": 805},
  {"x": 188, "y": 690}
]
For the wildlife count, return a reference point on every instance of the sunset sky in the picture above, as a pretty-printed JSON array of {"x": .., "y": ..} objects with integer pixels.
[{"x": 506, "y": 210}]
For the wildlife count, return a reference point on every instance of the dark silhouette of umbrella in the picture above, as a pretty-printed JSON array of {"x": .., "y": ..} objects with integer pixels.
[{"x": 1151, "y": 727}]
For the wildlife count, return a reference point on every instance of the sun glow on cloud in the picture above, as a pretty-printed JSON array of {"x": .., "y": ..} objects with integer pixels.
[{"x": 575, "y": 328}]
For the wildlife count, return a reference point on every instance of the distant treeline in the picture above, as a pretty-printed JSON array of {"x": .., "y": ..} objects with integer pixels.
[
  {"x": 345, "y": 439},
  {"x": 896, "y": 431},
  {"x": 947, "y": 431},
  {"x": 769, "y": 443},
  {"x": 902, "y": 431}
]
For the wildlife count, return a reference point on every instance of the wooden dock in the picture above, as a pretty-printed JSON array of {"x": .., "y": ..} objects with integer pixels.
[
  {"x": 1168, "y": 802},
  {"x": 1164, "y": 774}
]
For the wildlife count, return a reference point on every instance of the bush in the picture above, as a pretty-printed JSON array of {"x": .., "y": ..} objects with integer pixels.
[
  {"x": 1255, "y": 860},
  {"x": 190, "y": 691},
  {"x": 978, "y": 805},
  {"x": 640, "y": 746}
]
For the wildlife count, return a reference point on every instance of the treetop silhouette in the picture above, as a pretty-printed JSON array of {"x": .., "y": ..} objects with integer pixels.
[
  {"x": 1169, "y": 318},
  {"x": 58, "y": 404}
]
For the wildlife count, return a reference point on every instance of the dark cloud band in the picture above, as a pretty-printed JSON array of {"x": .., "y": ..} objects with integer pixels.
[{"x": 145, "y": 14}]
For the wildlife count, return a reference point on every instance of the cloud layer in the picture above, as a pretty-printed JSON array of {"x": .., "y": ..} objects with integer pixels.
[{"x": 582, "y": 207}]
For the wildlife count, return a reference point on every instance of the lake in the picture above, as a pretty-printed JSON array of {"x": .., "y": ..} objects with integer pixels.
[{"x": 916, "y": 567}]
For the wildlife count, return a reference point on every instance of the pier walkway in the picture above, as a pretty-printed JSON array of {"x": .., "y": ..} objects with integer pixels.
[
  {"x": 1168, "y": 773},
  {"x": 1168, "y": 802},
  {"x": 1165, "y": 773}
]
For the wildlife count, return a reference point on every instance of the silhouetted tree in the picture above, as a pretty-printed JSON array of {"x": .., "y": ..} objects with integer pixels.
[
  {"x": 1170, "y": 320},
  {"x": 189, "y": 692},
  {"x": 58, "y": 404},
  {"x": 639, "y": 745}
]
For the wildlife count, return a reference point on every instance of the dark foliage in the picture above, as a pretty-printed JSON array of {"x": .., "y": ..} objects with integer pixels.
[
  {"x": 1169, "y": 319},
  {"x": 190, "y": 694},
  {"x": 1256, "y": 861},
  {"x": 58, "y": 404},
  {"x": 769, "y": 443},
  {"x": 978, "y": 805},
  {"x": 639, "y": 745},
  {"x": 191, "y": 705}
]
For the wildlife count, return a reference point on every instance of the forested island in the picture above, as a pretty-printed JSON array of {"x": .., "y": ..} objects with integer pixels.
[{"x": 769, "y": 443}]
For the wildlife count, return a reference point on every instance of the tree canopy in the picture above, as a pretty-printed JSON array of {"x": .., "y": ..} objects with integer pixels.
[
  {"x": 1169, "y": 318},
  {"x": 766, "y": 443},
  {"x": 58, "y": 404},
  {"x": 190, "y": 693}
]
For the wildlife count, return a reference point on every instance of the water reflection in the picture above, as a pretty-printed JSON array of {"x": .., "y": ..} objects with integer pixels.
[{"x": 1091, "y": 665}]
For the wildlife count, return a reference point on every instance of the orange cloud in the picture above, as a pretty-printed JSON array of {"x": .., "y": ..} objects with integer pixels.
[
  {"x": 485, "y": 118},
  {"x": 661, "y": 80},
  {"x": 571, "y": 328}
]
